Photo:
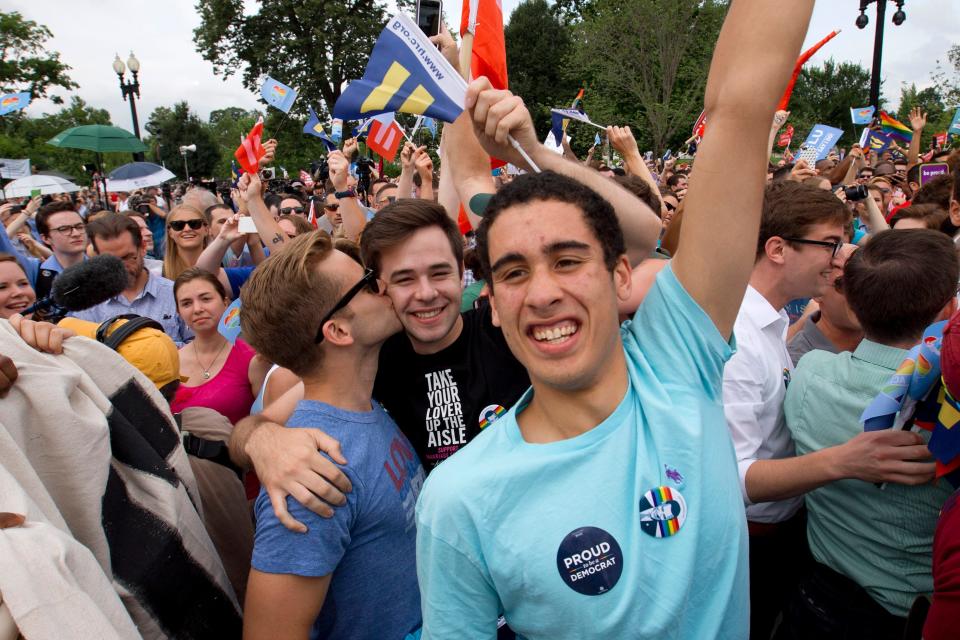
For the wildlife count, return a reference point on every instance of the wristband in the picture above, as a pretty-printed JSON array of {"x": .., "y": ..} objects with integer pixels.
[{"x": 349, "y": 193}]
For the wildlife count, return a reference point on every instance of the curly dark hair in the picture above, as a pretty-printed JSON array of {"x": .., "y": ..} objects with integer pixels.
[{"x": 597, "y": 212}]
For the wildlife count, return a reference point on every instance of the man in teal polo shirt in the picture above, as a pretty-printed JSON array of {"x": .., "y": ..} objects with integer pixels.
[
  {"x": 872, "y": 545},
  {"x": 606, "y": 503}
]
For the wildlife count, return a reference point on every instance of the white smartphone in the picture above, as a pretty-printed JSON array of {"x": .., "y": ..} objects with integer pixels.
[{"x": 245, "y": 225}]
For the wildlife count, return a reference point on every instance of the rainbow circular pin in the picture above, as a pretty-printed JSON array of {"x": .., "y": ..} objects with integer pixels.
[
  {"x": 662, "y": 512},
  {"x": 491, "y": 413}
]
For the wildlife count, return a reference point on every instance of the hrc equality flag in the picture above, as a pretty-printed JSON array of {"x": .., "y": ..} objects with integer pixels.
[
  {"x": 875, "y": 140},
  {"x": 14, "y": 102},
  {"x": 862, "y": 115},
  {"x": 893, "y": 127},
  {"x": 315, "y": 128},
  {"x": 276, "y": 94},
  {"x": 406, "y": 73},
  {"x": 251, "y": 149},
  {"x": 561, "y": 115}
]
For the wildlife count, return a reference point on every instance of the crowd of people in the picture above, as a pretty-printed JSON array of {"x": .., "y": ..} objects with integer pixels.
[{"x": 586, "y": 399}]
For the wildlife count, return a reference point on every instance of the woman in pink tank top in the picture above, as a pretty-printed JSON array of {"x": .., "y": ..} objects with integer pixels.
[{"x": 220, "y": 376}]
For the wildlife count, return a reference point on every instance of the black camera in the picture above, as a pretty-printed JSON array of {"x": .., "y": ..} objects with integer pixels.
[
  {"x": 320, "y": 170},
  {"x": 856, "y": 193}
]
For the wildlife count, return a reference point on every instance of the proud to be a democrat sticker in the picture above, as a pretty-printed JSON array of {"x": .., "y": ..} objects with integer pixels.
[{"x": 590, "y": 561}]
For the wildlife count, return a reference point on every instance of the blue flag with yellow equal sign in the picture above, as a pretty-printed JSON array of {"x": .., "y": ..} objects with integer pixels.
[
  {"x": 315, "y": 128},
  {"x": 276, "y": 94},
  {"x": 14, "y": 102},
  {"x": 406, "y": 74}
]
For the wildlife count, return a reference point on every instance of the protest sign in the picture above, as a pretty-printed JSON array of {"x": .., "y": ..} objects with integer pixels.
[
  {"x": 822, "y": 138},
  {"x": 931, "y": 170}
]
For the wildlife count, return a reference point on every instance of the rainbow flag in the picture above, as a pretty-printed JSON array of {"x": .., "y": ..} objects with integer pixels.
[{"x": 895, "y": 128}]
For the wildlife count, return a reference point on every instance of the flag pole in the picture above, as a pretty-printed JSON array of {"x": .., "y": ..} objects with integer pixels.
[
  {"x": 284, "y": 119},
  {"x": 466, "y": 55}
]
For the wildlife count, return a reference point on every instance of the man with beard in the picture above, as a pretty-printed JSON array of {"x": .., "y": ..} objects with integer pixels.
[{"x": 146, "y": 294}]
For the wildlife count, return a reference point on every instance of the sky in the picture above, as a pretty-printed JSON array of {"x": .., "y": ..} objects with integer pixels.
[{"x": 88, "y": 33}]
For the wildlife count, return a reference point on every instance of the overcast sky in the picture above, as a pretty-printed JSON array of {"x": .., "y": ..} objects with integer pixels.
[{"x": 88, "y": 33}]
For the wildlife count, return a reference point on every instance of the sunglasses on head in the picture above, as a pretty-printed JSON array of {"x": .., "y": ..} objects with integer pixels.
[
  {"x": 180, "y": 225},
  {"x": 332, "y": 207},
  {"x": 289, "y": 210}
]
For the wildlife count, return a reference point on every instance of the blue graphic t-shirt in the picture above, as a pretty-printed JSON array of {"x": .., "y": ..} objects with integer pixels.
[
  {"x": 634, "y": 529},
  {"x": 369, "y": 543}
]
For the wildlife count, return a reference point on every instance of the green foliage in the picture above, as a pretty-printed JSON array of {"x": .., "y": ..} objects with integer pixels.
[
  {"x": 947, "y": 80},
  {"x": 825, "y": 95},
  {"x": 22, "y": 137},
  {"x": 171, "y": 128},
  {"x": 313, "y": 45},
  {"x": 25, "y": 62},
  {"x": 537, "y": 44},
  {"x": 930, "y": 102},
  {"x": 646, "y": 64}
]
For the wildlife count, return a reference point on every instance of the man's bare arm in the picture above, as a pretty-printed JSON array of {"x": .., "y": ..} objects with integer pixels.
[{"x": 719, "y": 235}]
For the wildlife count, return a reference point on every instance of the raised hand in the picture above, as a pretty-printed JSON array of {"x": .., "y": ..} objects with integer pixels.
[
  {"x": 918, "y": 119},
  {"x": 497, "y": 116}
]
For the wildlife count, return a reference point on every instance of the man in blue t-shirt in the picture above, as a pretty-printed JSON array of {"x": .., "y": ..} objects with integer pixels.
[
  {"x": 605, "y": 504},
  {"x": 352, "y": 575}
]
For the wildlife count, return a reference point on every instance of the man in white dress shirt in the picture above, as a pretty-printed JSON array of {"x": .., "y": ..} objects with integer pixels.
[{"x": 801, "y": 235}]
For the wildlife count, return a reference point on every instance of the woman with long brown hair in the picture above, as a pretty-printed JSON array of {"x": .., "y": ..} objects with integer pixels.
[{"x": 187, "y": 237}]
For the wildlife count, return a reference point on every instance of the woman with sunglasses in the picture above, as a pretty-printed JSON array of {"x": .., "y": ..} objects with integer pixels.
[
  {"x": 220, "y": 376},
  {"x": 186, "y": 239}
]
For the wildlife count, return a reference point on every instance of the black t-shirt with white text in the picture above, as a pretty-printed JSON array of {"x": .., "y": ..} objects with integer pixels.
[{"x": 441, "y": 401}]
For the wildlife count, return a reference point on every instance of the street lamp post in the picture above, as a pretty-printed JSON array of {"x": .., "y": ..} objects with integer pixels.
[
  {"x": 130, "y": 89},
  {"x": 862, "y": 22}
]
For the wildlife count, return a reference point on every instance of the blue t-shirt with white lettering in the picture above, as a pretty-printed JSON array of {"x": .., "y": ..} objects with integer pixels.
[
  {"x": 633, "y": 529},
  {"x": 369, "y": 543}
]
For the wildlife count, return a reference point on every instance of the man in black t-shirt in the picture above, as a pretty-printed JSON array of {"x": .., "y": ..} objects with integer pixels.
[{"x": 448, "y": 375}]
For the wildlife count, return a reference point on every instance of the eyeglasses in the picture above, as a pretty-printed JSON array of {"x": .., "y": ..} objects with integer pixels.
[
  {"x": 835, "y": 245},
  {"x": 388, "y": 200},
  {"x": 180, "y": 225},
  {"x": 289, "y": 210},
  {"x": 368, "y": 280},
  {"x": 331, "y": 207},
  {"x": 669, "y": 206},
  {"x": 67, "y": 228}
]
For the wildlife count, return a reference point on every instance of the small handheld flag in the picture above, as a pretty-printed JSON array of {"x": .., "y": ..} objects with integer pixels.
[
  {"x": 559, "y": 115},
  {"x": 893, "y": 127},
  {"x": 862, "y": 115},
  {"x": 878, "y": 142},
  {"x": 276, "y": 94},
  {"x": 336, "y": 130},
  {"x": 11, "y": 102},
  {"x": 315, "y": 128},
  {"x": 596, "y": 140},
  {"x": 385, "y": 138},
  {"x": 406, "y": 73},
  {"x": 251, "y": 149}
]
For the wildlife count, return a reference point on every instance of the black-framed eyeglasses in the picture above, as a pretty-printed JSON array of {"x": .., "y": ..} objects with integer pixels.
[
  {"x": 289, "y": 210},
  {"x": 368, "y": 280},
  {"x": 67, "y": 228},
  {"x": 180, "y": 225},
  {"x": 835, "y": 245}
]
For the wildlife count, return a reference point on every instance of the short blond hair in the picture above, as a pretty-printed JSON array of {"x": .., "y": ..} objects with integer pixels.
[{"x": 283, "y": 301}]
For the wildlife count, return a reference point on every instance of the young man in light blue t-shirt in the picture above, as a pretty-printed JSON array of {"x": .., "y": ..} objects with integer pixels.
[
  {"x": 351, "y": 576},
  {"x": 606, "y": 504}
]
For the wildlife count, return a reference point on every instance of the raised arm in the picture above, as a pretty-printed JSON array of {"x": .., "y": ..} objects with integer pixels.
[
  {"x": 918, "y": 120},
  {"x": 722, "y": 211},
  {"x": 497, "y": 114},
  {"x": 621, "y": 139},
  {"x": 350, "y": 212}
]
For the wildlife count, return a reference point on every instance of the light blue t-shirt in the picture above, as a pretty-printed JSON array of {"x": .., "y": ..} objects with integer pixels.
[
  {"x": 369, "y": 543},
  {"x": 579, "y": 538}
]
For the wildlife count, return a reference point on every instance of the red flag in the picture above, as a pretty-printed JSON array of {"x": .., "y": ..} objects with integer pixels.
[
  {"x": 385, "y": 139},
  {"x": 802, "y": 60},
  {"x": 700, "y": 125},
  {"x": 786, "y": 137},
  {"x": 250, "y": 151},
  {"x": 312, "y": 216},
  {"x": 463, "y": 221},
  {"x": 484, "y": 19}
]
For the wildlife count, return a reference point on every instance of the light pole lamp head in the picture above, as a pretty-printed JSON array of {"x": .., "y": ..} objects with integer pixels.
[
  {"x": 133, "y": 63},
  {"x": 900, "y": 16},
  {"x": 118, "y": 65}
]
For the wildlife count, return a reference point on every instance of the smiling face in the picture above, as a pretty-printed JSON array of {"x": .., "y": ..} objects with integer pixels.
[
  {"x": 200, "y": 305},
  {"x": 423, "y": 281},
  {"x": 188, "y": 237},
  {"x": 16, "y": 294},
  {"x": 553, "y": 296},
  {"x": 810, "y": 269}
]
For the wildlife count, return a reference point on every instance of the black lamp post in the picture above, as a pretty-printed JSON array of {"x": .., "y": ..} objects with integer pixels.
[
  {"x": 862, "y": 22},
  {"x": 130, "y": 89}
]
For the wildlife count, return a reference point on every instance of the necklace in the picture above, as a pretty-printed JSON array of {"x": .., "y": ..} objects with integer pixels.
[{"x": 206, "y": 370}]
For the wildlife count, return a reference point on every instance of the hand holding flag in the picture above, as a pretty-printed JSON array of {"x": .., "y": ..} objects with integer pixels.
[
  {"x": 251, "y": 150},
  {"x": 510, "y": 121}
]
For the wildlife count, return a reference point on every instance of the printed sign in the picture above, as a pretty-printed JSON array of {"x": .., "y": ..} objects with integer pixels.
[
  {"x": 931, "y": 170},
  {"x": 818, "y": 144},
  {"x": 590, "y": 561}
]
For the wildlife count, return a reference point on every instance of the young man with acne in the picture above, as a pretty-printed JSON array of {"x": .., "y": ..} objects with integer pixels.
[{"x": 605, "y": 502}]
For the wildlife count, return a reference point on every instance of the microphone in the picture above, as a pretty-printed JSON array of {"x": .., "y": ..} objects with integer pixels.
[{"x": 85, "y": 285}]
